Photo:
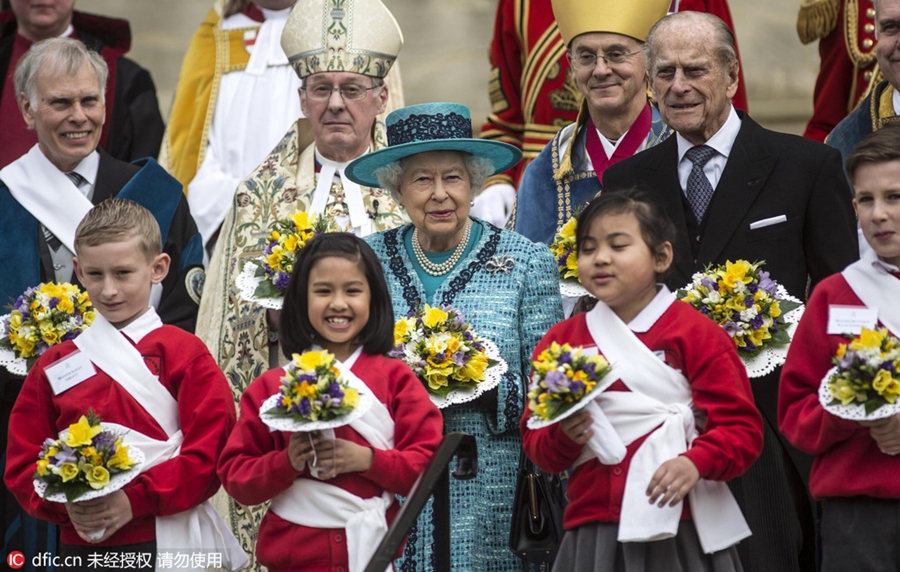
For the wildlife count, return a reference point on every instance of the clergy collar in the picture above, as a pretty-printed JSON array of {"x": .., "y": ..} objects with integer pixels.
[
  {"x": 146, "y": 323},
  {"x": 652, "y": 311},
  {"x": 722, "y": 141}
]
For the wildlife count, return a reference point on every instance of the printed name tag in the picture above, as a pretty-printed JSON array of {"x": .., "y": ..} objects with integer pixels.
[
  {"x": 851, "y": 319},
  {"x": 69, "y": 372}
]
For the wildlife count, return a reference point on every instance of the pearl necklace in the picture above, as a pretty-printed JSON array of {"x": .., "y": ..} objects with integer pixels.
[{"x": 446, "y": 266}]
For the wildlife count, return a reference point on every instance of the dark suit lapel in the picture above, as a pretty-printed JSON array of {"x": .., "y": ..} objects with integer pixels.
[
  {"x": 746, "y": 172},
  {"x": 112, "y": 175},
  {"x": 660, "y": 180}
]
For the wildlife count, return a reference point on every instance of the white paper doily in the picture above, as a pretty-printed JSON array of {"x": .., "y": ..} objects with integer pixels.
[
  {"x": 535, "y": 422},
  {"x": 772, "y": 357},
  {"x": 573, "y": 289},
  {"x": 366, "y": 400},
  {"x": 116, "y": 481},
  {"x": 492, "y": 377},
  {"x": 8, "y": 359},
  {"x": 854, "y": 411},
  {"x": 247, "y": 282}
]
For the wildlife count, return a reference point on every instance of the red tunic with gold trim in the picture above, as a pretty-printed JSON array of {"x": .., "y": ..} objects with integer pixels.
[
  {"x": 846, "y": 33},
  {"x": 533, "y": 94}
]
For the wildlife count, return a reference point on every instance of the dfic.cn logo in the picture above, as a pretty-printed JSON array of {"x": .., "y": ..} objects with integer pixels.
[{"x": 15, "y": 560}]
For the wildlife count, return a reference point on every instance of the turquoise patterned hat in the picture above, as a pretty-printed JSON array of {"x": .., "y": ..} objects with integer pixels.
[{"x": 430, "y": 127}]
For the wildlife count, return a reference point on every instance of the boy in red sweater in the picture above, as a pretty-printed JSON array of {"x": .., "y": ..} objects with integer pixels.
[
  {"x": 158, "y": 382},
  {"x": 855, "y": 472}
]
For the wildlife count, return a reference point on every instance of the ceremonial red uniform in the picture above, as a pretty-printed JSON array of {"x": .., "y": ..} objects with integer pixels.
[
  {"x": 847, "y": 67},
  {"x": 206, "y": 416},
  {"x": 532, "y": 90},
  {"x": 726, "y": 447},
  {"x": 254, "y": 467},
  {"x": 848, "y": 462}
]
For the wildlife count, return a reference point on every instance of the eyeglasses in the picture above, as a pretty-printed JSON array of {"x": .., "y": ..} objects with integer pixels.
[
  {"x": 587, "y": 60},
  {"x": 350, "y": 92}
]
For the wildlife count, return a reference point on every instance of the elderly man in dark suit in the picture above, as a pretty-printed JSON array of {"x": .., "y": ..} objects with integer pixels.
[{"x": 737, "y": 191}]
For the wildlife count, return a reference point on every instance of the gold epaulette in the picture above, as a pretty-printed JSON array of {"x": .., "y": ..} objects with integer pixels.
[{"x": 816, "y": 19}]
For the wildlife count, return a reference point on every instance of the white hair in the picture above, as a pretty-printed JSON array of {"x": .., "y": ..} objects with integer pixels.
[
  {"x": 58, "y": 57},
  {"x": 479, "y": 169}
]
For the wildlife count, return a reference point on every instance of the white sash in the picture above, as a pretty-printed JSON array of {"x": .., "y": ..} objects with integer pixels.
[
  {"x": 716, "y": 515},
  {"x": 199, "y": 528},
  {"x": 359, "y": 219},
  {"x": 876, "y": 287},
  {"x": 47, "y": 193},
  {"x": 312, "y": 503}
]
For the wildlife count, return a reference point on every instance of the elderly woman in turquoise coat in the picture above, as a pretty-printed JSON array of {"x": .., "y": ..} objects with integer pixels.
[{"x": 503, "y": 283}]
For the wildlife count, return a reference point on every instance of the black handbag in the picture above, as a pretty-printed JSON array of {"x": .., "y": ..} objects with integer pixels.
[{"x": 537, "y": 515}]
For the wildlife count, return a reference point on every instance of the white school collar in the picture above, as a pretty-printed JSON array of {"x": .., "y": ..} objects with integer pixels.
[
  {"x": 652, "y": 311},
  {"x": 146, "y": 323}
]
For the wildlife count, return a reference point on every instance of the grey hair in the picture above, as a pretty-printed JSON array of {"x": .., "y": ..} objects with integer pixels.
[
  {"x": 479, "y": 169},
  {"x": 56, "y": 56},
  {"x": 724, "y": 37}
]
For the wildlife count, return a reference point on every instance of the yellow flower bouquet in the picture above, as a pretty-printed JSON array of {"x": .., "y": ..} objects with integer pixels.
[
  {"x": 864, "y": 382},
  {"x": 443, "y": 350},
  {"x": 315, "y": 394},
  {"x": 565, "y": 252},
  {"x": 752, "y": 308},
  {"x": 86, "y": 461},
  {"x": 562, "y": 376},
  {"x": 41, "y": 317},
  {"x": 264, "y": 279}
]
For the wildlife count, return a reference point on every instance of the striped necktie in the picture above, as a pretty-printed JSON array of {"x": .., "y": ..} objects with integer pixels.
[{"x": 53, "y": 242}]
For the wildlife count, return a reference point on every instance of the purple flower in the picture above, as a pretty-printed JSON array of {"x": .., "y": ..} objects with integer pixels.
[
  {"x": 565, "y": 358},
  {"x": 66, "y": 454},
  {"x": 397, "y": 352},
  {"x": 709, "y": 284},
  {"x": 732, "y": 329},
  {"x": 459, "y": 358},
  {"x": 704, "y": 310},
  {"x": 748, "y": 301},
  {"x": 766, "y": 283},
  {"x": 335, "y": 390},
  {"x": 752, "y": 287},
  {"x": 54, "y": 302},
  {"x": 281, "y": 281},
  {"x": 104, "y": 440},
  {"x": 577, "y": 388},
  {"x": 556, "y": 381},
  {"x": 757, "y": 322},
  {"x": 303, "y": 408}
]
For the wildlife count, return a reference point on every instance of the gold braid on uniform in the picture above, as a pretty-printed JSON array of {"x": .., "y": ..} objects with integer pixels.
[{"x": 816, "y": 19}]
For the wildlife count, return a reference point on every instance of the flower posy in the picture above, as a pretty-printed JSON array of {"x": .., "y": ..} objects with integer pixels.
[
  {"x": 441, "y": 348},
  {"x": 561, "y": 376},
  {"x": 286, "y": 238},
  {"x": 867, "y": 371},
  {"x": 744, "y": 301},
  {"x": 312, "y": 389},
  {"x": 45, "y": 316},
  {"x": 83, "y": 460},
  {"x": 563, "y": 249}
]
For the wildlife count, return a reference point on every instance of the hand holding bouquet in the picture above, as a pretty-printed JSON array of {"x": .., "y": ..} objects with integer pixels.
[
  {"x": 749, "y": 306},
  {"x": 42, "y": 317},
  {"x": 448, "y": 356},
  {"x": 864, "y": 382},
  {"x": 565, "y": 380},
  {"x": 85, "y": 458}
]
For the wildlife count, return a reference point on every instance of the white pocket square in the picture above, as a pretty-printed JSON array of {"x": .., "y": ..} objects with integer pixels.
[{"x": 768, "y": 222}]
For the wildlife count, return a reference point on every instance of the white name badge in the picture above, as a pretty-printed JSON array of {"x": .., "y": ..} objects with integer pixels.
[
  {"x": 69, "y": 372},
  {"x": 851, "y": 319}
]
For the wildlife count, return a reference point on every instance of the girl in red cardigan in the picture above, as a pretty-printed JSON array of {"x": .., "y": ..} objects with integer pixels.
[
  {"x": 337, "y": 300},
  {"x": 680, "y": 406}
]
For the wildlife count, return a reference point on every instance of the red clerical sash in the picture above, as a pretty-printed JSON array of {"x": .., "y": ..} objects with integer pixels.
[{"x": 628, "y": 147}]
